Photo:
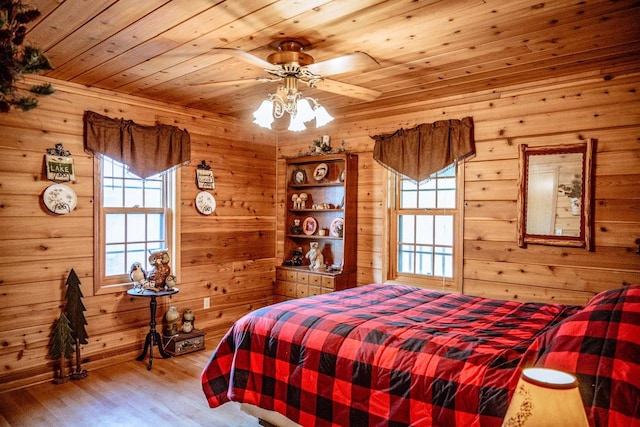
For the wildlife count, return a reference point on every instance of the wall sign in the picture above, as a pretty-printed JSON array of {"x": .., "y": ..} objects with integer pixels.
[
  {"x": 204, "y": 177},
  {"x": 59, "y": 164}
]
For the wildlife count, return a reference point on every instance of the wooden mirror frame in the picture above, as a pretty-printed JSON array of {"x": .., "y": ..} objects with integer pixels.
[{"x": 585, "y": 238}]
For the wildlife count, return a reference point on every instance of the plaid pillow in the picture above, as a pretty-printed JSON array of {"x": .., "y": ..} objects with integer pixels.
[{"x": 601, "y": 346}]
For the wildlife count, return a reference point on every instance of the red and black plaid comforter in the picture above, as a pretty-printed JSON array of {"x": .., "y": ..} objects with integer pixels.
[{"x": 379, "y": 355}]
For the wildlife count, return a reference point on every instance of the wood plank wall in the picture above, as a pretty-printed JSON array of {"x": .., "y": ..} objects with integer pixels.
[
  {"x": 604, "y": 106},
  {"x": 228, "y": 256}
]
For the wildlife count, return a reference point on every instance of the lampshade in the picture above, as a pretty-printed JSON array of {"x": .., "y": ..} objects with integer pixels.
[
  {"x": 296, "y": 124},
  {"x": 304, "y": 111},
  {"x": 264, "y": 114},
  {"x": 546, "y": 397},
  {"x": 289, "y": 100},
  {"x": 322, "y": 116}
]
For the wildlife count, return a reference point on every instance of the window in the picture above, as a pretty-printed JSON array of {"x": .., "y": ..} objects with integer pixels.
[
  {"x": 425, "y": 237},
  {"x": 134, "y": 216}
]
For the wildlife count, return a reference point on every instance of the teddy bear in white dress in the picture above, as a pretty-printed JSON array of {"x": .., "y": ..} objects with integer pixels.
[{"x": 315, "y": 257}]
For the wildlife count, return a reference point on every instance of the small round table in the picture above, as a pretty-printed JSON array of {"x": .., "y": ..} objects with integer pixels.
[{"x": 153, "y": 337}]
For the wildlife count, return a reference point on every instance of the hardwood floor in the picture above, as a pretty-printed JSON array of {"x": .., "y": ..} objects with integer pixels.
[{"x": 125, "y": 395}]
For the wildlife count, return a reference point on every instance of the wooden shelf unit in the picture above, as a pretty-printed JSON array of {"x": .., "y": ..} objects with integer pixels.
[{"x": 336, "y": 192}]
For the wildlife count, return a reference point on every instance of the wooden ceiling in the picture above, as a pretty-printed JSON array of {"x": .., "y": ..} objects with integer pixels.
[{"x": 429, "y": 49}]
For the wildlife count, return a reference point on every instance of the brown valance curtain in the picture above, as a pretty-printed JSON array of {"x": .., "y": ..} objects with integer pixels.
[
  {"x": 418, "y": 152},
  {"x": 146, "y": 150}
]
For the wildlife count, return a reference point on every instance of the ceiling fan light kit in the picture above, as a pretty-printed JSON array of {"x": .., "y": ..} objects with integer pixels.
[
  {"x": 290, "y": 64},
  {"x": 298, "y": 107},
  {"x": 290, "y": 100}
]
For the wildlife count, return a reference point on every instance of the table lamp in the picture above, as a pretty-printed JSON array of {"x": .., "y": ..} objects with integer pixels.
[{"x": 546, "y": 397}]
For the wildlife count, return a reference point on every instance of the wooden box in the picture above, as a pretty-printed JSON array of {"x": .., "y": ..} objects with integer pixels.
[{"x": 184, "y": 343}]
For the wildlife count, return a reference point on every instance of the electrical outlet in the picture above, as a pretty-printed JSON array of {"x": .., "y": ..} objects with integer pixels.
[{"x": 207, "y": 302}]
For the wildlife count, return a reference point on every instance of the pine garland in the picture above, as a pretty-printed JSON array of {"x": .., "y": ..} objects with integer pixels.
[{"x": 17, "y": 59}]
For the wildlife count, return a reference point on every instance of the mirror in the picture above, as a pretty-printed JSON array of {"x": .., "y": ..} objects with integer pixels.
[{"x": 554, "y": 195}]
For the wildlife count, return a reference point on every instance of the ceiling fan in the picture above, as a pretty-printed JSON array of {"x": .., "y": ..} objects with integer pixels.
[{"x": 289, "y": 63}]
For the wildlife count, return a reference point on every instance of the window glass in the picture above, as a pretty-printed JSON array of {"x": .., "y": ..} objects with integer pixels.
[
  {"x": 112, "y": 191},
  {"x": 155, "y": 227},
  {"x": 405, "y": 259},
  {"x": 115, "y": 225},
  {"x": 134, "y": 217},
  {"x": 425, "y": 214},
  {"x": 136, "y": 228},
  {"x": 153, "y": 193},
  {"x": 424, "y": 229},
  {"x": 133, "y": 193},
  {"x": 444, "y": 230},
  {"x": 406, "y": 230},
  {"x": 424, "y": 260},
  {"x": 408, "y": 194},
  {"x": 114, "y": 260}
]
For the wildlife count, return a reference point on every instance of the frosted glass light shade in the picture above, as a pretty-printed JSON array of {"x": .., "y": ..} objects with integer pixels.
[
  {"x": 298, "y": 107},
  {"x": 546, "y": 398},
  {"x": 322, "y": 116},
  {"x": 296, "y": 125},
  {"x": 304, "y": 111},
  {"x": 264, "y": 114}
]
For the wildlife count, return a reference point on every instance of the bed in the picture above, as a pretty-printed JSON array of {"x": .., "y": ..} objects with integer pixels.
[{"x": 397, "y": 355}]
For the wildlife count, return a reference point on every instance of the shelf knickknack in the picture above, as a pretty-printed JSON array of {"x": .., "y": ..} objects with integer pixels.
[{"x": 322, "y": 146}]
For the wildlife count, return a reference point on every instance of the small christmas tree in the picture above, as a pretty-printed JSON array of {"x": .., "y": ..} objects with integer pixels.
[
  {"x": 74, "y": 311},
  {"x": 61, "y": 346}
]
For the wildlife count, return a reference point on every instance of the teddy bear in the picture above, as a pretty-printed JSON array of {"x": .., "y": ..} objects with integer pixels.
[{"x": 315, "y": 257}]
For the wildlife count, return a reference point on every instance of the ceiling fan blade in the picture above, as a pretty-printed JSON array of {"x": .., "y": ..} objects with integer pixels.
[
  {"x": 234, "y": 82},
  {"x": 347, "y": 89},
  {"x": 343, "y": 64},
  {"x": 246, "y": 57}
]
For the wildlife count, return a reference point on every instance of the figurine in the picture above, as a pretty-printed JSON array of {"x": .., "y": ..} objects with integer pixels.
[
  {"x": 296, "y": 228},
  {"x": 138, "y": 275},
  {"x": 171, "y": 318},
  {"x": 187, "y": 326},
  {"x": 159, "y": 259},
  {"x": 296, "y": 257},
  {"x": 170, "y": 282},
  {"x": 188, "y": 316},
  {"x": 303, "y": 200},
  {"x": 315, "y": 257}
]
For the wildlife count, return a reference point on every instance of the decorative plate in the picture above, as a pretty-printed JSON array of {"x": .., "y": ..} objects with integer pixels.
[
  {"x": 299, "y": 176},
  {"x": 60, "y": 199},
  {"x": 320, "y": 172},
  {"x": 337, "y": 227},
  {"x": 205, "y": 203},
  {"x": 309, "y": 226},
  {"x": 342, "y": 175}
]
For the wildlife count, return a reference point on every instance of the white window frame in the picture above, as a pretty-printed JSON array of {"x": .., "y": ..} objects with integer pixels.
[
  {"x": 104, "y": 284},
  {"x": 390, "y": 256}
]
